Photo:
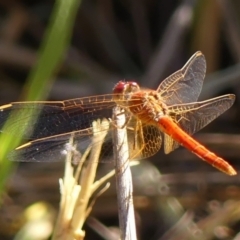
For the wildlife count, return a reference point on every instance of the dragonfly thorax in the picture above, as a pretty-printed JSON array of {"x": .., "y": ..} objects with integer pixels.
[{"x": 147, "y": 106}]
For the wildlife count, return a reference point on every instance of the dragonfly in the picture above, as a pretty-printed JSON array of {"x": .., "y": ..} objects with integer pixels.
[{"x": 171, "y": 112}]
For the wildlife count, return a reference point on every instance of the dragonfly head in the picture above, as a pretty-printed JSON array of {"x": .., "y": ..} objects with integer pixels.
[{"x": 123, "y": 91}]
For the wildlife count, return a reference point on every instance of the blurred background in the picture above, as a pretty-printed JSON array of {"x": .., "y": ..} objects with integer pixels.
[{"x": 177, "y": 196}]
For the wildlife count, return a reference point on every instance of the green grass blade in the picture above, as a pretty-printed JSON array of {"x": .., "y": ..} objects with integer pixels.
[{"x": 51, "y": 54}]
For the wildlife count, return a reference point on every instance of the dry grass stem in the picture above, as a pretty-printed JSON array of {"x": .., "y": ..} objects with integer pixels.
[{"x": 78, "y": 185}]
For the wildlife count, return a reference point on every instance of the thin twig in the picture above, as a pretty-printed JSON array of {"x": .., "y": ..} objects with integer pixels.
[
  {"x": 123, "y": 177},
  {"x": 105, "y": 232}
]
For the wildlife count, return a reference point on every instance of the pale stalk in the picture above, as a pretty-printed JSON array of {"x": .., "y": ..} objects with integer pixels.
[
  {"x": 100, "y": 130},
  {"x": 74, "y": 206},
  {"x": 123, "y": 176}
]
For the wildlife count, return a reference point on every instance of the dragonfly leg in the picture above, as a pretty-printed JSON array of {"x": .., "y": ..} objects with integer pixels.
[{"x": 138, "y": 143}]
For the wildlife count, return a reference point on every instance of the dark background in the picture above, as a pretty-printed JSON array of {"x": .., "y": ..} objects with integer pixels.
[{"x": 144, "y": 40}]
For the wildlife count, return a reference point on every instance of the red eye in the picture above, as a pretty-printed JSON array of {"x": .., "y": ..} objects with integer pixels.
[{"x": 120, "y": 87}]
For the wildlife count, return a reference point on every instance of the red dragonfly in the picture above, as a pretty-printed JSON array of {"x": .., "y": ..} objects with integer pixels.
[{"x": 171, "y": 111}]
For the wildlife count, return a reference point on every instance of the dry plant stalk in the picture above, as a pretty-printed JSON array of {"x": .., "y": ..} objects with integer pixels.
[
  {"x": 76, "y": 191},
  {"x": 123, "y": 174}
]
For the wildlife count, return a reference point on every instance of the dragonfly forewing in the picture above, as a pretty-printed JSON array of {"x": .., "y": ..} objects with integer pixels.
[{"x": 53, "y": 118}]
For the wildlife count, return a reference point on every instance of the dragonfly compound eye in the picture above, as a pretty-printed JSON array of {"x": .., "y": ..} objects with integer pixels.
[
  {"x": 119, "y": 87},
  {"x": 123, "y": 90},
  {"x": 132, "y": 87}
]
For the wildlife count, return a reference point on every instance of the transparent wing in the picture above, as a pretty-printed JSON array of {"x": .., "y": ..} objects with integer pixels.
[
  {"x": 185, "y": 85},
  {"x": 144, "y": 142},
  {"x": 169, "y": 144},
  {"x": 152, "y": 141},
  {"x": 55, "y": 117},
  {"x": 55, "y": 148},
  {"x": 194, "y": 116},
  {"x": 57, "y": 122}
]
